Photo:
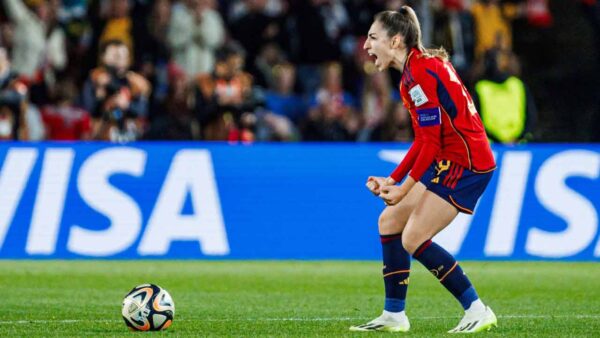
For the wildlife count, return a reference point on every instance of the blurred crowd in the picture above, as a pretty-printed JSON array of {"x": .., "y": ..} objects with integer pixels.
[{"x": 243, "y": 70}]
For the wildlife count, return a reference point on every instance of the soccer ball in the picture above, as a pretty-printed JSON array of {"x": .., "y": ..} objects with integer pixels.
[{"x": 148, "y": 307}]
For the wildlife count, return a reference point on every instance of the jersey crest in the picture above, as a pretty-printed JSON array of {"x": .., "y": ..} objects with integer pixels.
[{"x": 418, "y": 96}]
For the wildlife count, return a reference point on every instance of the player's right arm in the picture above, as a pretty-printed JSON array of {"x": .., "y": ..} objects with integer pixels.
[
  {"x": 375, "y": 183},
  {"x": 402, "y": 169},
  {"x": 409, "y": 160}
]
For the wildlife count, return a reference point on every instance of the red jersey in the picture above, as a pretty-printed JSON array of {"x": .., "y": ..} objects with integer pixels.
[
  {"x": 66, "y": 123},
  {"x": 444, "y": 119}
]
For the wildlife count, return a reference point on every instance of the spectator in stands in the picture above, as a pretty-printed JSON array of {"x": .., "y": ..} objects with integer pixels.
[
  {"x": 154, "y": 53},
  {"x": 281, "y": 99},
  {"x": 63, "y": 120},
  {"x": 538, "y": 13},
  {"x": 13, "y": 103},
  {"x": 376, "y": 102},
  {"x": 117, "y": 23},
  {"x": 36, "y": 131},
  {"x": 273, "y": 127},
  {"x": 318, "y": 26},
  {"x": 225, "y": 100},
  {"x": 332, "y": 115},
  {"x": 115, "y": 96},
  {"x": 39, "y": 49},
  {"x": 506, "y": 106},
  {"x": 196, "y": 31},
  {"x": 454, "y": 29},
  {"x": 238, "y": 8},
  {"x": 174, "y": 118},
  {"x": 71, "y": 10},
  {"x": 111, "y": 20},
  {"x": 284, "y": 107},
  {"x": 55, "y": 39},
  {"x": 269, "y": 57},
  {"x": 255, "y": 29},
  {"x": 493, "y": 25},
  {"x": 36, "y": 45}
]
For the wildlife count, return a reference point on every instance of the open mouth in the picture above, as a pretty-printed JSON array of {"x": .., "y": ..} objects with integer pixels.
[
  {"x": 374, "y": 58},
  {"x": 372, "y": 55}
]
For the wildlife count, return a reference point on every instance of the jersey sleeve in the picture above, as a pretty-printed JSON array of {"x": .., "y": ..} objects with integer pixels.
[
  {"x": 409, "y": 159},
  {"x": 427, "y": 125}
]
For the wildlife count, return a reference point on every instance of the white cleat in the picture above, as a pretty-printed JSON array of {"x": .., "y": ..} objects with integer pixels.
[
  {"x": 476, "y": 321},
  {"x": 386, "y": 323}
]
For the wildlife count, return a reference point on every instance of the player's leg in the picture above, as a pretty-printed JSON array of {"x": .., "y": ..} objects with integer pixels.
[
  {"x": 396, "y": 260},
  {"x": 396, "y": 264},
  {"x": 432, "y": 215}
]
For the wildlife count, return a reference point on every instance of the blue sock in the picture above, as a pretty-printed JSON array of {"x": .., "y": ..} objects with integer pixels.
[
  {"x": 442, "y": 265},
  {"x": 396, "y": 268}
]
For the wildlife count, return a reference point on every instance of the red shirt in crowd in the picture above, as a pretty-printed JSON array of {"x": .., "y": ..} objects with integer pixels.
[{"x": 66, "y": 123}]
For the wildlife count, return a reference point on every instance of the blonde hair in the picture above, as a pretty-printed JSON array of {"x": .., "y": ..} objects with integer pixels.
[{"x": 405, "y": 23}]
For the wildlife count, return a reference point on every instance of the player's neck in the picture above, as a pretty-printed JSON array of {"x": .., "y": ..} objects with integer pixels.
[{"x": 399, "y": 60}]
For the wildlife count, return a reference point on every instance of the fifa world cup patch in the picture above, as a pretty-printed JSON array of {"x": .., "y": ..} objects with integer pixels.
[
  {"x": 418, "y": 95},
  {"x": 429, "y": 117}
]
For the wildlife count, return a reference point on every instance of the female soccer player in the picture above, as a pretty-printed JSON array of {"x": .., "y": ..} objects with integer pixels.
[{"x": 449, "y": 165}]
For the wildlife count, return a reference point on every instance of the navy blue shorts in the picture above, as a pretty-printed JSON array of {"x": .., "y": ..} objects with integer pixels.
[{"x": 456, "y": 184}]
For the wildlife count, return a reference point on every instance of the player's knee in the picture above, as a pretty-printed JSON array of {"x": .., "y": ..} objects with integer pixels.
[
  {"x": 411, "y": 241},
  {"x": 389, "y": 225}
]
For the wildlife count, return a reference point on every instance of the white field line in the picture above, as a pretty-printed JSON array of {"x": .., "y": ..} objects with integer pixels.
[{"x": 292, "y": 319}]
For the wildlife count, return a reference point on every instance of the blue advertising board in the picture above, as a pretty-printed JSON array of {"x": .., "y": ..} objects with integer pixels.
[{"x": 276, "y": 201}]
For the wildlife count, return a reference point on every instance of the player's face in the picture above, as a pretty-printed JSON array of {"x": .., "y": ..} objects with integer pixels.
[{"x": 378, "y": 44}]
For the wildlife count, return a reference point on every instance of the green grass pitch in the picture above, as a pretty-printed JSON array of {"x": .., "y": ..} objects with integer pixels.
[{"x": 290, "y": 298}]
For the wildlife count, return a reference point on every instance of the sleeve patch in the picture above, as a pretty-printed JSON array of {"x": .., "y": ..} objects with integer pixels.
[
  {"x": 429, "y": 117},
  {"x": 418, "y": 95}
]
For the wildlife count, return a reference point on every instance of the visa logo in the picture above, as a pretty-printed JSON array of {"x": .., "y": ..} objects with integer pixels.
[{"x": 190, "y": 174}]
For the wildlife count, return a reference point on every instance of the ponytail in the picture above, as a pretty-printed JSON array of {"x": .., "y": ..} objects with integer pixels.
[{"x": 405, "y": 23}]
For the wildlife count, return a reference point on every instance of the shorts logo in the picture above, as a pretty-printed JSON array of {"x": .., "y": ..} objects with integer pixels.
[
  {"x": 429, "y": 117},
  {"x": 453, "y": 173},
  {"x": 439, "y": 169},
  {"x": 442, "y": 166},
  {"x": 418, "y": 95}
]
